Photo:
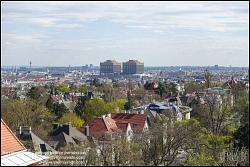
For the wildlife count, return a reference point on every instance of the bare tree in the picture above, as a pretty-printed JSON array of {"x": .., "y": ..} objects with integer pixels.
[
  {"x": 216, "y": 112},
  {"x": 162, "y": 143}
]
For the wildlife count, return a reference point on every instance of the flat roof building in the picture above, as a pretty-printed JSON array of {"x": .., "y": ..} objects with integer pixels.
[
  {"x": 110, "y": 66},
  {"x": 133, "y": 67}
]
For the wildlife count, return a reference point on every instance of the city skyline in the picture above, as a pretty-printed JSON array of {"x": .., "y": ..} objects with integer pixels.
[{"x": 156, "y": 33}]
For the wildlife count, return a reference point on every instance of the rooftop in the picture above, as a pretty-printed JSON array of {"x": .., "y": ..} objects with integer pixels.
[
  {"x": 134, "y": 61},
  {"x": 9, "y": 142},
  {"x": 13, "y": 152},
  {"x": 110, "y": 62}
]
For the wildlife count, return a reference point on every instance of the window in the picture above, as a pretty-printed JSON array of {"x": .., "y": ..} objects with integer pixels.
[
  {"x": 134, "y": 125},
  {"x": 109, "y": 123}
]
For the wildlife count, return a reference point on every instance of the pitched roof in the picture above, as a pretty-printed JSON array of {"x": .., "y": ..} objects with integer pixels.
[
  {"x": 99, "y": 126},
  {"x": 13, "y": 152},
  {"x": 65, "y": 135},
  {"x": 117, "y": 123},
  {"x": 134, "y": 119},
  {"x": 37, "y": 142},
  {"x": 9, "y": 142},
  {"x": 122, "y": 125}
]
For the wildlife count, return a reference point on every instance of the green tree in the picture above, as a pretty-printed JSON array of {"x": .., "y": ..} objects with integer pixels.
[
  {"x": 71, "y": 117},
  {"x": 34, "y": 93},
  {"x": 201, "y": 159},
  {"x": 79, "y": 107},
  {"x": 62, "y": 88},
  {"x": 27, "y": 113},
  {"x": 95, "y": 82},
  {"x": 239, "y": 90},
  {"x": 161, "y": 89},
  {"x": 94, "y": 107},
  {"x": 39, "y": 93},
  {"x": 242, "y": 106},
  {"x": 193, "y": 86},
  {"x": 82, "y": 89},
  {"x": 73, "y": 87},
  {"x": 120, "y": 103},
  {"x": 49, "y": 104},
  {"x": 111, "y": 107},
  {"x": 59, "y": 109},
  {"x": 130, "y": 102},
  {"x": 170, "y": 88},
  {"x": 242, "y": 136},
  {"x": 109, "y": 92}
]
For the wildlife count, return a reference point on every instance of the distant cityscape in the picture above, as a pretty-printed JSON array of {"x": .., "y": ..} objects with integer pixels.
[
  {"x": 111, "y": 69},
  {"x": 86, "y": 83}
]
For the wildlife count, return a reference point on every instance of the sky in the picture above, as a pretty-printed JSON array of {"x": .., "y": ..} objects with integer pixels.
[{"x": 156, "y": 33}]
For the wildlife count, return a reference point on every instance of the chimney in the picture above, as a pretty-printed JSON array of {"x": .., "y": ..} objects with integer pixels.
[
  {"x": 23, "y": 132},
  {"x": 103, "y": 116},
  {"x": 87, "y": 130},
  {"x": 55, "y": 125},
  {"x": 109, "y": 115},
  {"x": 20, "y": 130},
  {"x": 66, "y": 127}
]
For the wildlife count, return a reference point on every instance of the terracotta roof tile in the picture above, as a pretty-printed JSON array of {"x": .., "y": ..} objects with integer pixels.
[
  {"x": 118, "y": 122},
  {"x": 99, "y": 126},
  {"x": 9, "y": 142},
  {"x": 134, "y": 119},
  {"x": 122, "y": 125}
]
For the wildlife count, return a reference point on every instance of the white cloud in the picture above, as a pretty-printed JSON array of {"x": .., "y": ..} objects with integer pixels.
[
  {"x": 168, "y": 14},
  {"x": 44, "y": 22},
  {"x": 162, "y": 26},
  {"x": 22, "y": 38}
]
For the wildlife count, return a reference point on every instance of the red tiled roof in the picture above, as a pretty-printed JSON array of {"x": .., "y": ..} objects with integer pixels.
[
  {"x": 136, "y": 119},
  {"x": 118, "y": 122},
  {"x": 122, "y": 125},
  {"x": 9, "y": 142},
  {"x": 110, "y": 123},
  {"x": 99, "y": 126}
]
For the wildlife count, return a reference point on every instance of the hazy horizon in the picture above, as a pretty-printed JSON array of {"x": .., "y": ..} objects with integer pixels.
[
  {"x": 156, "y": 33},
  {"x": 4, "y": 66}
]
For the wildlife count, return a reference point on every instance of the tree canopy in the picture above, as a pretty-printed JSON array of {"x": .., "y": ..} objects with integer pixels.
[
  {"x": 62, "y": 88},
  {"x": 73, "y": 118}
]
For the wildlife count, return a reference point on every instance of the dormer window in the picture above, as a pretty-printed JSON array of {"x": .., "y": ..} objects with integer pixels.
[{"x": 109, "y": 123}]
